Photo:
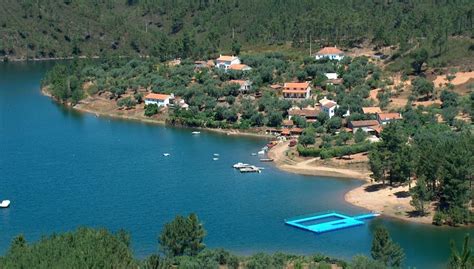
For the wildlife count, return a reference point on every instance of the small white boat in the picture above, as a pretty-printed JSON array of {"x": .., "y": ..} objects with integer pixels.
[
  {"x": 240, "y": 165},
  {"x": 261, "y": 152},
  {"x": 215, "y": 159},
  {"x": 196, "y": 132},
  {"x": 166, "y": 154},
  {"x": 216, "y": 154},
  {"x": 254, "y": 154},
  {"x": 250, "y": 169},
  {"x": 5, "y": 204}
]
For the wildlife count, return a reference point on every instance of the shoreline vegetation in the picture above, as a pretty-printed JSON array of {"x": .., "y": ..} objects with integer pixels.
[
  {"x": 181, "y": 245},
  {"x": 85, "y": 107},
  {"x": 389, "y": 154}
]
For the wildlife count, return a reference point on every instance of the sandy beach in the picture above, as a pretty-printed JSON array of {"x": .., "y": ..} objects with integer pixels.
[{"x": 393, "y": 202}]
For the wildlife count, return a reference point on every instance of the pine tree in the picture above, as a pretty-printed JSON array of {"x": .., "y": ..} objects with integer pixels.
[
  {"x": 463, "y": 259},
  {"x": 385, "y": 250},
  {"x": 420, "y": 196}
]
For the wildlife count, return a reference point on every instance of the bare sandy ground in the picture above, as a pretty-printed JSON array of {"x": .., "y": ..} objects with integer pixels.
[
  {"x": 312, "y": 166},
  {"x": 460, "y": 78},
  {"x": 390, "y": 202}
]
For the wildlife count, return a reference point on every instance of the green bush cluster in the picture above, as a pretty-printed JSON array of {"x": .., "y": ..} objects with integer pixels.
[{"x": 335, "y": 151}]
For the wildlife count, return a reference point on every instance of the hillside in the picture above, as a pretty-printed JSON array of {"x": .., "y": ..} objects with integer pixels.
[{"x": 198, "y": 28}]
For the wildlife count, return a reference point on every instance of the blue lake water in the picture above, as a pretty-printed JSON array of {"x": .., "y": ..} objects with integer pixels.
[{"x": 62, "y": 169}]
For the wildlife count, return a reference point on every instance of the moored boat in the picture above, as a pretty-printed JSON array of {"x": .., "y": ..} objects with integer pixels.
[
  {"x": 240, "y": 165},
  {"x": 5, "y": 204}
]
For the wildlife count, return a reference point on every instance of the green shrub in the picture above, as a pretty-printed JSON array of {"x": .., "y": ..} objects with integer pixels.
[
  {"x": 151, "y": 110},
  {"x": 439, "y": 218}
]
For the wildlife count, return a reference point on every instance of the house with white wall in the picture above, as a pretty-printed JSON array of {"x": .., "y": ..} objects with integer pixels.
[
  {"x": 161, "y": 100},
  {"x": 368, "y": 126},
  {"x": 328, "y": 106},
  {"x": 297, "y": 90},
  {"x": 386, "y": 118},
  {"x": 245, "y": 85},
  {"x": 331, "y": 53},
  {"x": 225, "y": 61}
]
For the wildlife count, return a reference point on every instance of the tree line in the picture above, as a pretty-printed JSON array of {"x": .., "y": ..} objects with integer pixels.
[
  {"x": 199, "y": 28},
  {"x": 181, "y": 245},
  {"x": 435, "y": 161}
]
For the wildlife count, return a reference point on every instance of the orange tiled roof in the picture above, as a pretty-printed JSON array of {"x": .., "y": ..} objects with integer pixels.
[
  {"x": 157, "y": 96},
  {"x": 226, "y": 58},
  {"x": 285, "y": 131},
  {"x": 238, "y": 81},
  {"x": 389, "y": 116},
  {"x": 329, "y": 50},
  {"x": 296, "y": 85},
  {"x": 364, "y": 123},
  {"x": 296, "y": 130},
  {"x": 371, "y": 110},
  {"x": 329, "y": 104},
  {"x": 238, "y": 66}
]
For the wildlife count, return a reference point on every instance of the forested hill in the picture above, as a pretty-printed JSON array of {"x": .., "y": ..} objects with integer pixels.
[{"x": 170, "y": 28}]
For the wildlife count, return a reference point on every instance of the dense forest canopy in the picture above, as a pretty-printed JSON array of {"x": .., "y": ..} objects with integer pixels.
[{"x": 170, "y": 28}]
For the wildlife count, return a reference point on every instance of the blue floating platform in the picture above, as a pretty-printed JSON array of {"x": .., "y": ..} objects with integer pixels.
[{"x": 327, "y": 222}]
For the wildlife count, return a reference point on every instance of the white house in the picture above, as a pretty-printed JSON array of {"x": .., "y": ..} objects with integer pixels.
[
  {"x": 225, "y": 61},
  {"x": 331, "y": 53},
  {"x": 331, "y": 76},
  {"x": 368, "y": 126},
  {"x": 245, "y": 85},
  {"x": 328, "y": 106},
  {"x": 158, "y": 99},
  {"x": 297, "y": 90},
  {"x": 386, "y": 118}
]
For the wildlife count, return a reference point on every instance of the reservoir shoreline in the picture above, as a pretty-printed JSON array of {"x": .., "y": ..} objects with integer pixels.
[{"x": 382, "y": 201}]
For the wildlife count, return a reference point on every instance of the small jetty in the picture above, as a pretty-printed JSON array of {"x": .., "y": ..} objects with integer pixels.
[
  {"x": 247, "y": 168},
  {"x": 5, "y": 204},
  {"x": 328, "y": 221}
]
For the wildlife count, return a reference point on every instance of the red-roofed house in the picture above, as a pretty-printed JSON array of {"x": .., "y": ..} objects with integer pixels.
[
  {"x": 158, "y": 99},
  {"x": 308, "y": 113},
  {"x": 385, "y": 118},
  {"x": 297, "y": 90},
  {"x": 331, "y": 53},
  {"x": 367, "y": 126},
  {"x": 225, "y": 61}
]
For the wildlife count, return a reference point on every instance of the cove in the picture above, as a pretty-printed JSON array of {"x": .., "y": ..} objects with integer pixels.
[{"x": 62, "y": 169}]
